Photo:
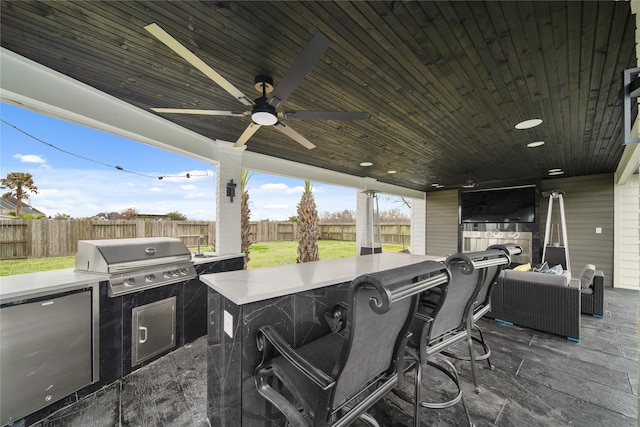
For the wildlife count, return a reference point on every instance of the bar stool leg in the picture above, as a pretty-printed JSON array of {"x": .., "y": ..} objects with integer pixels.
[
  {"x": 472, "y": 357},
  {"x": 417, "y": 394}
]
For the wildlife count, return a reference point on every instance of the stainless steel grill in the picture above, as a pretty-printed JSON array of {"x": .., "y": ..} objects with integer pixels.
[{"x": 136, "y": 264}]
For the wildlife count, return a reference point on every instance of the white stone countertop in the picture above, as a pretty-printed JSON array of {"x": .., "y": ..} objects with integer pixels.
[
  {"x": 247, "y": 286},
  {"x": 211, "y": 257},
  {"x": 32, "y": 285}
]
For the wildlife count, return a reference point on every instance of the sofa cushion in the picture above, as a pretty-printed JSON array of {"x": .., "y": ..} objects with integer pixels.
[
  {"x": 530, "y": 276},
  {"x": 586, "y": 277},
  {"x": 556, "y": 269},
  {"x": 522, "y": 267}
]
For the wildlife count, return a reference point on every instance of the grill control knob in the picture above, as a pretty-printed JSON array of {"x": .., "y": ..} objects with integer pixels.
[
  {"x": 150, "y": 278},
  {"x": 130, "y": 281},
  {"x": 168, "y": 274}
]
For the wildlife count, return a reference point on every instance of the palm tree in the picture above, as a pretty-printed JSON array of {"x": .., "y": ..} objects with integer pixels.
[
  {"x": 307, "y": 226},
  {"x": 20, "y": 184},
  {"x": 245, "y": 214}
]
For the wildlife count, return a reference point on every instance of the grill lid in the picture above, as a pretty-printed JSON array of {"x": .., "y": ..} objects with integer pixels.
[{"x": 115, "y": 255}]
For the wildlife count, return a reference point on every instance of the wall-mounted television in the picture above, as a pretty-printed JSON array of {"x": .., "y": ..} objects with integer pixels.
[{"x": 513, "y": 204}]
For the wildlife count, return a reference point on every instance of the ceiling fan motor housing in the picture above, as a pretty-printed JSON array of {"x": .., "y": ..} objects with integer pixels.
[{"x": 264, "y": 113}]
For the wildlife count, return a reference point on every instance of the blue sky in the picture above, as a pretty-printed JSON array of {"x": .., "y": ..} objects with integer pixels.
[{"x": 79, "y": 187}]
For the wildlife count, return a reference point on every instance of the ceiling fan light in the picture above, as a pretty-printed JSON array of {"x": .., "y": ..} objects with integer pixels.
[
  {"x": 264, "y": 113},
  {"x": 263, "y": 118}
]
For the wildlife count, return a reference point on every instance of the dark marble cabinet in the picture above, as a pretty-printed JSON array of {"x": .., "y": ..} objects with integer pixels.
[{"x": 232, "y": 398}]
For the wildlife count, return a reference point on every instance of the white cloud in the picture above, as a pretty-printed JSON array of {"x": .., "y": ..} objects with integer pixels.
[
  {"x": 274, "y": 187},
  {"x": 30, "y": 158},
  {"x": 280, "y": 187},
  {"x": 84, "y": 193}
]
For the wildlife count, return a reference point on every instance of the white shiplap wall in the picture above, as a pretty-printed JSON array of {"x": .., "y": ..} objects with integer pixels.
[{"x": 627, "y": 261}]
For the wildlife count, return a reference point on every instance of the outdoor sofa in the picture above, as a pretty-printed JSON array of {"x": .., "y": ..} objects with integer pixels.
[{"x": 548, "y": 302}]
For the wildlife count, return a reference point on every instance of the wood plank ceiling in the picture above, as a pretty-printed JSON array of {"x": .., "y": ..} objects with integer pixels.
[{"x": 444, "y": 83}]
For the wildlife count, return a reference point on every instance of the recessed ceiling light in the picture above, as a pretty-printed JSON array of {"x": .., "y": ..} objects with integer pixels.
[
  {"x": 535, "y": 144},
  {"x": 556, "y": 173},
  {"x": 554, "y": 170},
  {"x": 528, "y": 124},
  {"x": 392, "y": 172},
  {"x": 366, "y": 164}
]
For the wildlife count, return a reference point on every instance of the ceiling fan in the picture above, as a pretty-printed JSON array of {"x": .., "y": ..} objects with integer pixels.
[
  {"x": 263, "y": 109},
  {"x": 470, "y": 183}
]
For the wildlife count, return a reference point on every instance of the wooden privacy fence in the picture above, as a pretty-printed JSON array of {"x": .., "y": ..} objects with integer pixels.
[{"x": 50, "y": 238}]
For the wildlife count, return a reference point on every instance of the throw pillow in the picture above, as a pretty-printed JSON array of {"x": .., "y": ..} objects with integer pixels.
[
  {"x": 556, "y": 269},
  {"x": 542, "y": 267},
  {"x": 522, "y": 267},
  {"x": 586, "y": 277}
]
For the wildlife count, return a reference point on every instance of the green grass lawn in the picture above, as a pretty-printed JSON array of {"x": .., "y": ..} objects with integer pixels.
[{"x": 261, "y": 255}]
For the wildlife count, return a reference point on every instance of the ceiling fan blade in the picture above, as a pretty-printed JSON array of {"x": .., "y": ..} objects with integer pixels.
[
  {"x": 192, "y": 59},
  {"x": 325, "y": 115},
  {"x": 305, "y": 62},
  {"x": 202, "y": 112},
  {"x": 294, "y": 135},
  {"x": 248, "y": 133}
]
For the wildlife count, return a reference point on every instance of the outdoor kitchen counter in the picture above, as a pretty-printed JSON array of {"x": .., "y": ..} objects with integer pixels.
[
  {"x": 247, "y": 286},
  {"x": 32, "y": 285},
  {"x": 294, "y": 300},
  {"x": 208, "y": 257}
]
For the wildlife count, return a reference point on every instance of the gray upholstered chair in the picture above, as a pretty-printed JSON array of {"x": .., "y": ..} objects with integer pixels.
[
  {"x": 492, "y": 261},
  {"x": 337, "y": 377},
  {"x": 442, "y": 319}
]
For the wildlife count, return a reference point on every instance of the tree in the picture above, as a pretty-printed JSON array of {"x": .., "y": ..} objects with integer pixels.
[
  {"x": 176, "y": 216},
  {"x": 61, "y": 216},
  {"x": 245, "y": 214},
  {"x": 394, "y": 215},
  {"x": 345, "y": 217},
  {"x": 129, "y": 213},
  {"x": 20, "y": 184},
  {"x": 307, "y": 226}
]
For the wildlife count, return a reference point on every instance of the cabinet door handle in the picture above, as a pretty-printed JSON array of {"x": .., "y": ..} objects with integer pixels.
[{"x": 142, "y": 331}]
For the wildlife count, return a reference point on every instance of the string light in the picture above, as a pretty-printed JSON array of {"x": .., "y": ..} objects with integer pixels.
[{"x": 120, "y": 168}]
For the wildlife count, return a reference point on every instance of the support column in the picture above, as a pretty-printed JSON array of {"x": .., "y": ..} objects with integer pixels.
[
  {"x": 228, "y": 225},
  {"x": 418, "y": 244}
]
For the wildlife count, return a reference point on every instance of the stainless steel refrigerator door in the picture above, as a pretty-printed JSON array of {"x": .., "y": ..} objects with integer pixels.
[{"x": 45, "y": 353}]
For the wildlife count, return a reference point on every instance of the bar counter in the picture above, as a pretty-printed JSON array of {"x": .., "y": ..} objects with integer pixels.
[
  {"x": 294, "y": 299},
  {"x": 246, "y": 286}
]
